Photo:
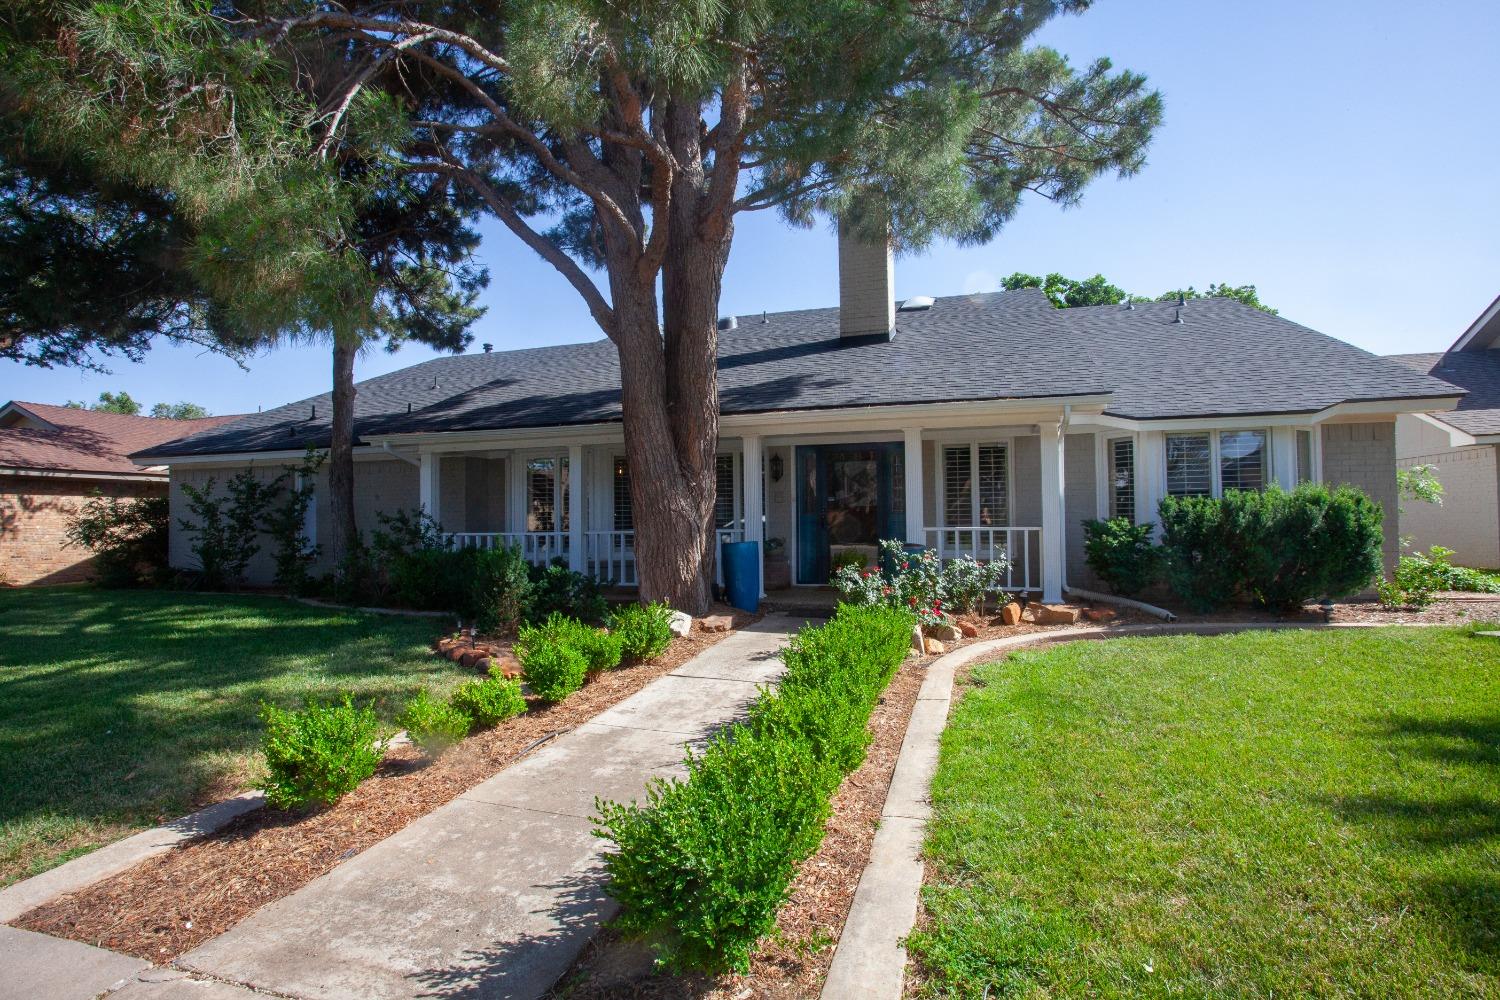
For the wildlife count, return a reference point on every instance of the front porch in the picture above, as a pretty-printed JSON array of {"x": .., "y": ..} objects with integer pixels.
[{"x": 812, "y": 501}]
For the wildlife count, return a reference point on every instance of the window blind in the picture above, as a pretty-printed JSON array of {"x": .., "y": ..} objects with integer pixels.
[
  {"x": 958, "y": 486},
  {"x": 994, "y": 486},
  {"x": 724, "y": 512},
  {"x": 1242, "y": 460},
  {"x": 1189, "y": 465},
  {"x": 1122, "y": 479}
]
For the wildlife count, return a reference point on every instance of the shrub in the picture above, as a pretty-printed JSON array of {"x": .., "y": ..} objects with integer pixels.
[
  {"x": 1122, "y": 554},
  {"x": 433, "y": 725},
  {"x": 294, "y": 553},
  {"x": 498, "y": 588},
  {"x": 555, "y": 589},
  {"x": 966, "y": 583},
  {"x": 702, "y": 867},
  {"x": 645, "y": 631},
  {"x": 600, "y": 650},
  {"x": 489, "y": 702},
  {"x": 1418, "y": 577},
  {"x": 919, "y": 583},
  {"x": 318, "y": 754},
  {"x": 849, "y": 557},
  {"x": 489, "y": 587},
  {"x": 1279, "y": 549},
  {"x": 224, "y": 530},
  {"x": 127, "y": 537},
  {"x": 551, "y": 666}
]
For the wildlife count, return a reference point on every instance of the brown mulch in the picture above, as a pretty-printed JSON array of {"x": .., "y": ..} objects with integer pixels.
[
  {"x": 171, "y": 903},
  {"x": 1448, "y": 608}
]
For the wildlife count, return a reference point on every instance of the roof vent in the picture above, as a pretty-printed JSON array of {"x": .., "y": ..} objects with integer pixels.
[
  {"x": 1178, "y": 318},
  {"x": 917, "y": 303},
  {"x": 1130, "y": 304},
  {"x": 488, "y": 348},
  {"x": 728, "y": 323},
  {"x": 1181, "y": 299}
]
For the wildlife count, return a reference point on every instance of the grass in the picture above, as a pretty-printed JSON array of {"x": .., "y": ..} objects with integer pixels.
[
  {"x": 1257, "y": 815},
  {"x": 120, "y": 709}
]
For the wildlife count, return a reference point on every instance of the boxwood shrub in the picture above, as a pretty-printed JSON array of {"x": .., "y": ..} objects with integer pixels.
[
  {"x": 433, "y": 725},
  {"x": 645, "y": 630},
  {"x": 701, "y": 868},
  {"x": 318, "y": 754},
  {"x": 488, "y": 702}
]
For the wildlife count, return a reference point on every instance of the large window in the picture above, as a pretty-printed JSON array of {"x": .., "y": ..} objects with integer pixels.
[
  {"x": 1242, "y": 460},
  {"x": 1190, "y": 465},
  {"x": 976, "y": 485},
  {"x": 1122, "y": 479},
  {"x": 726, "y": 507},
  {"x": 547, "y": 494},
  {"x": 1206, "y": 464}
]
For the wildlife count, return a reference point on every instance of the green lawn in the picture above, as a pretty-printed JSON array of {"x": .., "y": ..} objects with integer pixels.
[
  {"x": 118, "y": 709},
  {"x": 1259, "y": 815}
]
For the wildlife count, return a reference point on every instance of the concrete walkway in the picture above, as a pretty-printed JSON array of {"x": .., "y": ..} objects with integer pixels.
[{"x": 495, "y": 893}]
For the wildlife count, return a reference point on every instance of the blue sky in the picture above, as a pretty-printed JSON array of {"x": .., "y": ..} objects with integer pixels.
[{"x": 1341, "y": 156}]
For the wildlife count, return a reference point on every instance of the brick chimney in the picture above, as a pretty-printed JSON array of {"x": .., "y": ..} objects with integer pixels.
[{"x": 867, "y": 287}]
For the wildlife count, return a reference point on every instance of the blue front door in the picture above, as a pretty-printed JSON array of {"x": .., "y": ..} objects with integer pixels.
[{"x": 847, "y": 496}]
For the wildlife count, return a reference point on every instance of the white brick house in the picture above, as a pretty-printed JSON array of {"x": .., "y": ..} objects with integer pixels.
[{"x": 980, "y": 424}]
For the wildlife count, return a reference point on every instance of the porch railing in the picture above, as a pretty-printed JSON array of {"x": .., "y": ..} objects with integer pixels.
[
  {"x": 1022, "y": 546},
  {"x": 610, "y": 555},
  {"x": 537, "y": 547}
]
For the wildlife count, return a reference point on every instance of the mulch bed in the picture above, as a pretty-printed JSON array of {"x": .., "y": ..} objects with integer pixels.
[{"x": 171, "y": 903}]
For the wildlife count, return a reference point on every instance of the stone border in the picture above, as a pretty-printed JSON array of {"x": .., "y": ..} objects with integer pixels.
[
  {"x": 869, "y": 962},
  {"x": 112, "y": 859}
]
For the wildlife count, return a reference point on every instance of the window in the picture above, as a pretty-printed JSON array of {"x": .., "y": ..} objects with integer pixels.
[
  {"x": 1122, "y": 479},
  {"x": 725, "y": 515},
  {"x": 547, "y": 494},
  {"x": 624, "y": 516},
  {"x": 1304, "y": 457},
  {"x": 976, "y": 485},
  {"x": 1189, "y": 465},
  {"x": 1242, "y": 460}
]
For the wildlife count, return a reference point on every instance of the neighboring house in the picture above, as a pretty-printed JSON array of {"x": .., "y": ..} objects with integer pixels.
[
  {"x": 1463, "y": 445},
  {"x": 52, "y": 458},
  {"x": 979, "y": 423}
]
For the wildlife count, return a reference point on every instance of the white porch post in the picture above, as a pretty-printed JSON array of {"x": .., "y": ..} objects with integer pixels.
[
  {"x": 916, "y": 530},
  {"x": 428, "y": 483},
  {"x": 1052, "y": 512},
  {"x": 576, "y": 559},
  {"x": 753, "y": 502}
]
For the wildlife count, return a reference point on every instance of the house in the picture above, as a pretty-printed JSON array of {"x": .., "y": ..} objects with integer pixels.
[
  {"x": 980, "y": 424},
  {"x": 1462, "y": 444},
  {"x": 52, "y": 458}
]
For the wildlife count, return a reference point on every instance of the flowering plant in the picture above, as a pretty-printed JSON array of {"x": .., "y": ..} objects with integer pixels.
[{"x": 920, "y": 583}]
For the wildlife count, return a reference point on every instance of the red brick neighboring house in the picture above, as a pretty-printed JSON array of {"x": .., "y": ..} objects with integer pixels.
[{"x": 52, "y": 458}]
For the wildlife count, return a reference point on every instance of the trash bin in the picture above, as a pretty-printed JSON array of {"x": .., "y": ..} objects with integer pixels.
[{"x": 742, "y": 574}]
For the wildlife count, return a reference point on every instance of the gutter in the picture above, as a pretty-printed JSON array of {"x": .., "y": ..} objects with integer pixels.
[{"x": 385, "y": 446}]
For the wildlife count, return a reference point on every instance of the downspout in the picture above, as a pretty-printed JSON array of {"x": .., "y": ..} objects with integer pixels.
[
  {"x": 385, "y": 446},
  {"x": 1150, "y": 609},
  {"x": 1062, "y": 515}
]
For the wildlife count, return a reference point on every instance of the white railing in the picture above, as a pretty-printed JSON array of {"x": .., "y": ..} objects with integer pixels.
[
  {"x": 1021, "y": 546},
  {"x": 610, "y": 555},
  {"x": 537, "y": 547}
]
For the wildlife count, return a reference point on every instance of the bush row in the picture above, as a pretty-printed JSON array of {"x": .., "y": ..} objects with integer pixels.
[
  {"x": 703, "y": 866},
  {"x": 322, "y": 752},
  {"x": 1271, "y": 547}
]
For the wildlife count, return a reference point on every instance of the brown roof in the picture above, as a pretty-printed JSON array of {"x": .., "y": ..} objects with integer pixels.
[{"x": 64, "y": 439}]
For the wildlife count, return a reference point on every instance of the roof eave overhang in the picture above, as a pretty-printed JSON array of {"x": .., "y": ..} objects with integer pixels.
[
  {"x": 1483, "y": 332},
  {"x": 145, "y": 476}
]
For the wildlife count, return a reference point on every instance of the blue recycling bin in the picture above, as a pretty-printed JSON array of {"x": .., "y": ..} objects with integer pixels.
[{"x": 741, "y": 562}]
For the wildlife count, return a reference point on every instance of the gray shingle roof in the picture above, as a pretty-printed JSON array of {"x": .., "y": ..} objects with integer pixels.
[
  {"x": 1476, "y": 371},
  {"x": 1224, "y": 359}
]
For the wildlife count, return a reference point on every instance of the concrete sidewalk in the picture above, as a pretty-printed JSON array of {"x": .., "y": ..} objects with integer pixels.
[{"x": 495, "y": 893}]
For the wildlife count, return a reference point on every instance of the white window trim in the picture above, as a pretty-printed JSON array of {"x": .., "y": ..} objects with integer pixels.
[
  {"x": 1216, "y": 486},
  {"x": 941, "y": 478}
]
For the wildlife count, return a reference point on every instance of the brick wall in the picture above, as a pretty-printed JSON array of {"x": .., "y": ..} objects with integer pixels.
[
  {"x": 34, "y": 513},
  {"x": 1364, "y": 455}
]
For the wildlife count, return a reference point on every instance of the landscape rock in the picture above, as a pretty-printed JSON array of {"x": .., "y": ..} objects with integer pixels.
[
  {"x": 505, "y": 664},
  {"x": 1100, "y": 614},
  {"x": 1053, "y": 614},
  {"x": 943, "y": 632},
  {"x": 916, "y": 639},
  {"x": 471, "y": 657},
  {"x": 681, "y": 623},
  {"x": 1010, "y": 614},
  {"x": 715, "y": 623},
  {"x": 968, "y": 629},
  {"x": 934, "y": 647}
]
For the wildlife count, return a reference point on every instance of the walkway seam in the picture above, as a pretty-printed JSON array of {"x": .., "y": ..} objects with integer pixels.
[{"x": 869, "y": 961}]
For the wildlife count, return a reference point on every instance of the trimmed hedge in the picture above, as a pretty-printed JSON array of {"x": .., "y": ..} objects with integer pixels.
[
  {"x": 489, "y": 702},
  {"x": 702, "y": 867},
  {"x": 433, "y": 725},
  {"x": 645, "y": 630},
  {"x": 1278, "y": 549},
  {"x": 319, "y": 754}
]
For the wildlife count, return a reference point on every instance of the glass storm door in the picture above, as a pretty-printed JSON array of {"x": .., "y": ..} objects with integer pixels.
[{"x": 845, "y": 499}]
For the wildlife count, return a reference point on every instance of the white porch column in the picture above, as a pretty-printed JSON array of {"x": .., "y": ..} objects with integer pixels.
[
  {"x": 429, "y": 481},
  {"x": 576, "y": 526},
  {"x": 753, "y": 502},
  {"x": 916, "y": 530},
  {"x": 1052, "y": 512}
]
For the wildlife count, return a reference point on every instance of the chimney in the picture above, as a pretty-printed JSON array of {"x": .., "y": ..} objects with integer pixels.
[{"x": 867, "y": 287}]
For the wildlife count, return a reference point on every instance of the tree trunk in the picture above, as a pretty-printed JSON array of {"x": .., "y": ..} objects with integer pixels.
[{"x": 345, "y": 535}]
